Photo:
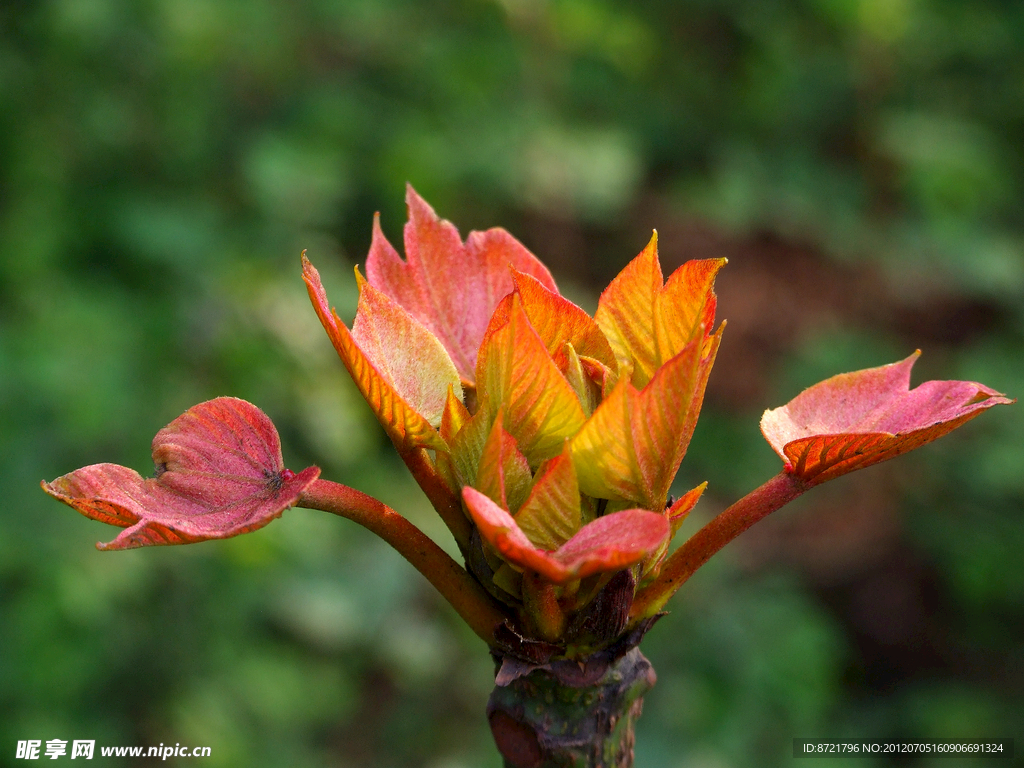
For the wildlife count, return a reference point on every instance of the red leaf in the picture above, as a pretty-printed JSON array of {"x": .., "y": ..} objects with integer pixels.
[
  {"x": 854, "y": 420},
  {"x": 610, "y": 543},
  {"x": 450, "y": 287},
  {"x": 219, "y": 474}
]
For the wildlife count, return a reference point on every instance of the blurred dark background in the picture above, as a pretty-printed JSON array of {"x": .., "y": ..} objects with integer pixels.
[{"x": 162, "y": 164}]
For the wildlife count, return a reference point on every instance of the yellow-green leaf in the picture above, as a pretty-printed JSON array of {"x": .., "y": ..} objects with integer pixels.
[
  {"x": 503, "y": 473},
  {"x": 630, "y": 448},
  {"x": 550, "y": 516}
]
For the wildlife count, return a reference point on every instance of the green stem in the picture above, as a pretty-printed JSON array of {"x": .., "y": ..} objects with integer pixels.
[
  {"x": 471, "y": 602},
  {"x": 697, "y": 550}
]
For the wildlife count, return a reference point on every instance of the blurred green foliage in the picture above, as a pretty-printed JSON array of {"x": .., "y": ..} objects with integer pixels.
[{"x": 162, "y": 163}]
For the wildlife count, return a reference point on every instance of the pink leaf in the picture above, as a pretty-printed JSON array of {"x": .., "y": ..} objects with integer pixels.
[
  {"x": 219, "y": 474},
  {"x": 610, "y": 543},
  {"x": 613, "y": 542},
  {"x": 450, "y": 287},
  {"x": 854, "y": 420}
]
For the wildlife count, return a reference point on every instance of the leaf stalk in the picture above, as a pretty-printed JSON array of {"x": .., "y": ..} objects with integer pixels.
[{"x": 700, "y": 547}]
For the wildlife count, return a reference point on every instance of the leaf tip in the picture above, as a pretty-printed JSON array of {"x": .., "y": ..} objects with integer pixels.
[{"x": 418, "y": 208}]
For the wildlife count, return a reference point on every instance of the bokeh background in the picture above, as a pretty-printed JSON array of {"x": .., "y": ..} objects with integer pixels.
[{"x": 162, "y": 164}]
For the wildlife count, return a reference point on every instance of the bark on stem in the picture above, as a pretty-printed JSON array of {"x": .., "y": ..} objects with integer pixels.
[
  {"x": 471, "y": 602},
  {"x": 569, "y": 714},
  {"x": 697, "y": 550}
]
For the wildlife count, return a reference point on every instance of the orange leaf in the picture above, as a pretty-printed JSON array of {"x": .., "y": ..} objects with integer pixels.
[
  {"x": 219, "y": 474},
  {"x": 682, "y": 507},
  {"x": 516, "y": 373},
  {"x": 557, "y": 322},
  {"x": 625, "y": 312},
  {"x": 707, "y": 361},
  {"x": 454, "y": 417},
  {"x": 449, "y": 287},
  {"x": 685, "y": 308},
  {"x": 391, "y": 357},
  {"x": 854, "y": 420},
  {"x": 648, "y": 323}
]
